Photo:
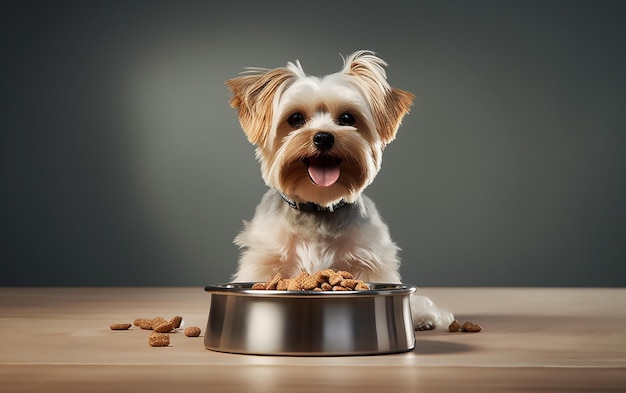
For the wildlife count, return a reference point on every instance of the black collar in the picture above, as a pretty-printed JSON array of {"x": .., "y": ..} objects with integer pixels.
[{"x": 311, "y": 206}]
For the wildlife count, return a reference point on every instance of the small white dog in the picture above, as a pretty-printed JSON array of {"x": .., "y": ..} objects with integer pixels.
[{"x": 320, "y": 143}]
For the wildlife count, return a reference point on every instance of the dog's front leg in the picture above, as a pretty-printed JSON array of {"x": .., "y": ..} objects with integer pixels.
[{"x": 426, "y": 315}]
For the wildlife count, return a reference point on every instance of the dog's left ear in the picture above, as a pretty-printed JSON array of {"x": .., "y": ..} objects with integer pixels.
[
  {"x": 388, "y": 117},
  {"x": 388, "y": 104},
  {"x": 253, "y": 97}
]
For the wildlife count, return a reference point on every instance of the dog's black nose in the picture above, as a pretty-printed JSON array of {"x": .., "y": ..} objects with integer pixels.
[{"x": 323, "y": 140}]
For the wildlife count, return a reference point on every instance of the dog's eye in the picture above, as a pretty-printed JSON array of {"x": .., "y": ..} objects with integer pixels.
[
  {"x": 346, "y": 119},
  {"x": 296, "y": 120}
]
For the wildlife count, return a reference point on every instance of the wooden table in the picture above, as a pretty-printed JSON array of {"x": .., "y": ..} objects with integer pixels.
[{"x": 533, "y": 339}]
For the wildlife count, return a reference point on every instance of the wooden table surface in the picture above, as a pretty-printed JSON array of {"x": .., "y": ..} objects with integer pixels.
[{"x": 533, "y": 339}]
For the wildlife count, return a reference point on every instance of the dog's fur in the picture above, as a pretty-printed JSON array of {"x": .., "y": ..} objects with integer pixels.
[{"x": 320, "y": 143}]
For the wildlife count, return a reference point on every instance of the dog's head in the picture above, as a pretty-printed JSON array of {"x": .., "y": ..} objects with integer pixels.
[{"x": 320, "y": 140}]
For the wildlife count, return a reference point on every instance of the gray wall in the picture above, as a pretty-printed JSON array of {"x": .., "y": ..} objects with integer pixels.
[{"x": 122, "y": 164}]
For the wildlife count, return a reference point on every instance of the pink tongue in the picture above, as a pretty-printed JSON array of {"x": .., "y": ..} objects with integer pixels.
[{"x": 324, "y": 175}]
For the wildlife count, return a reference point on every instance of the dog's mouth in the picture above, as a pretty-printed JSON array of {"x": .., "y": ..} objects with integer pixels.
[{"x": 324, "y": 171}]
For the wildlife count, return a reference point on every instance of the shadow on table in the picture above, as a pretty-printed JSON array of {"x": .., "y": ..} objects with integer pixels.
[{"x": 430, "y": 347}]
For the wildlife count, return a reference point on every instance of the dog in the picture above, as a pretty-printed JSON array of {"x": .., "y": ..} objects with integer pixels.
[{"x": 320, "y": 142}]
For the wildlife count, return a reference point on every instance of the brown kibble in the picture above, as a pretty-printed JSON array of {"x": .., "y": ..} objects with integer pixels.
[
  {"x": 361, "y": 286},
  {"x": 471, "y": 327},
  {"x": 282, "y": 284},
  {"x": 164, "y": 327},
  {"x": 293, "y": 285},
  {"x": 335, "y": 279},
  {"x": 349, "y": 283},
  {"x": 192, "y": 331},
  {"x": 120, "y": 326},
  {"x": 300, "y": 281},
  {"x": 321, "y": 276},
  {"x": 310, "y": 283},
  {"x": 454, "y": 326},
  {"x": 273, "y": 282},
  {"x": 156, "y": 321},
  {"x": 323, "y": 280},
  {"x": 325, "y": 274},
  {"x": 344, "y": 274},
  {"x": 307, "y": 281},
  {"x": 159, "y": 340},
  {"x": 301, "y": 276},
  {"x": 143, "y": 323},
  {"x": 176, "y": 321}
]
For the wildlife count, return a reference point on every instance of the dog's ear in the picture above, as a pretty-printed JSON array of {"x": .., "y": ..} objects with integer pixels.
[
  {"x": 388, "y": 104},
  {"x": 253, "y": 97},
  {"x": 388, "y": 114}
]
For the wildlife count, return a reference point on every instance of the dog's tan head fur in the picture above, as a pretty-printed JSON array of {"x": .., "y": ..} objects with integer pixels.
[{"x": 320, "y": 139}]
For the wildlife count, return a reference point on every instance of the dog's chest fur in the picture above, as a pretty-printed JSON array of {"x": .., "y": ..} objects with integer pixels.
[{"x": 280, "y": 239}]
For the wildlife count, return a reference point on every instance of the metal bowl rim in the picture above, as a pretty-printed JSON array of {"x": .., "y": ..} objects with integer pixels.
[{"x": 244, "y": 289}]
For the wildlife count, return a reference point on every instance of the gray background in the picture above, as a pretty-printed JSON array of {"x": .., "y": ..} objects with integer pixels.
[{"x": 122, "y": 164}]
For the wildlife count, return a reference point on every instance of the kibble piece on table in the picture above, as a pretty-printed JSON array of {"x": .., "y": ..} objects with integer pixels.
[
  {"x": 471, "y": 327},
  {"x": 120, "y": 326},
  {"x": 192, "y": 331},
  {"x": 164, "y": 327},
  {"x": 454, "y": 326},
  {"x": 159, "y": 340},
  {"x": 156, "y": 321},
  {"x": 468, "y": 326},
  {"x": 143, "y": 323},
  {"x": 176, "y": 321}
]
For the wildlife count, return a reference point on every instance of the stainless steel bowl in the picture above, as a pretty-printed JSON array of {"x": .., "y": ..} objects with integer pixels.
[{"x": 309, "y": 323}]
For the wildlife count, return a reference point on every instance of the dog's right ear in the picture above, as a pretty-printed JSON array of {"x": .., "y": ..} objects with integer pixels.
[
  {"x": 253, "y": 97},
  {"x": 388, "y": 104}
]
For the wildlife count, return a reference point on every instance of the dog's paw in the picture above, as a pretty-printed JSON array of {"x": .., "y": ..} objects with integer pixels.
[
  {"x": 423, "y": 324},
  {"x": 426, "y": 315}
]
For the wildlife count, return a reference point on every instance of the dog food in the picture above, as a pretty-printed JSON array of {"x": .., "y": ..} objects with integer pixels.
[
  {"x": 454, "y": 326},
  {"x": 164, "y": 327},
  {"x": 192, "y": 331},
  {"x": 468, "y": 326},
  {"x": 156, "y": 321},
  {"x": 159, "y": 324},
  {"x": 471, "y": 327},
  {"x": 143, "y": 323},
  {"x": 160, "y": 327},
  {"x": 176, "y": 321},
  {"x": 159, "y": 340},
  {"x": 120, "y": 326},
  {"x": 323, "y": 280}
]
